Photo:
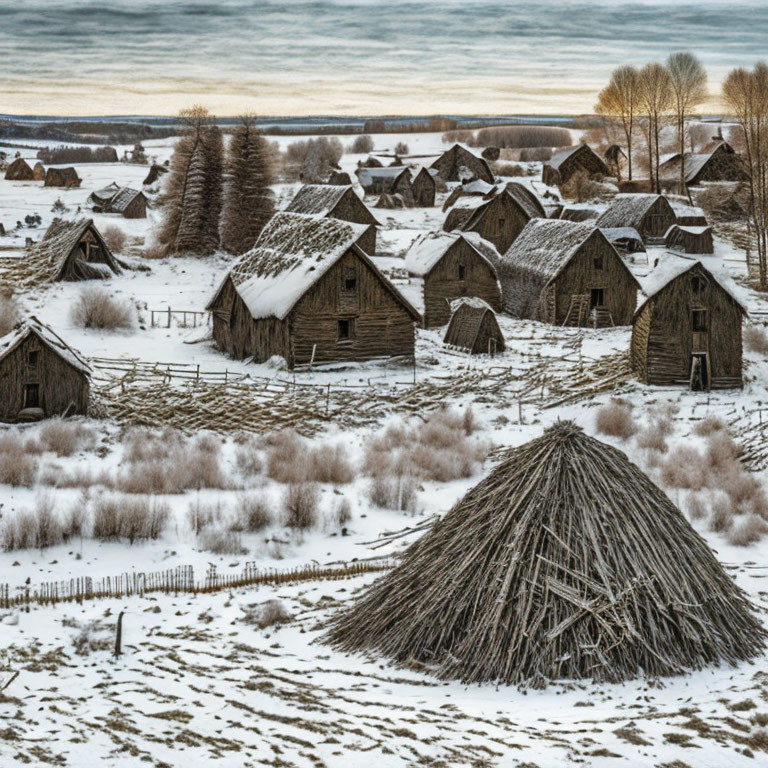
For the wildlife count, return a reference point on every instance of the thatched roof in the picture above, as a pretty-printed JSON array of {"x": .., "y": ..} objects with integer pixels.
[
  {"x": 318, "y": 199},
  {"x": 627, "y": 210},
  {"x": 104, "y": 195},
  {"x": 458, "y": 163},
  {"x": 62, "y": 177},
  {"x": 526, "y": 199},
  {"x": 19, "y": 170},
  {"x": 124, "y": 197},
  {"x": 428, "y": 249},
  {"x": 566, "y": 562},
  {"x": 560, "y": 157},
  {"x": 33, "y": 327}
]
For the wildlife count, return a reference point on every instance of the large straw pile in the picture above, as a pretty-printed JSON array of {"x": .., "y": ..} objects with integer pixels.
[{"x": 567, "y": 562}]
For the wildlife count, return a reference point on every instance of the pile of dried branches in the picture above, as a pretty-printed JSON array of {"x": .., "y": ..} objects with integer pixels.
[{"x": 566, "y": 562}]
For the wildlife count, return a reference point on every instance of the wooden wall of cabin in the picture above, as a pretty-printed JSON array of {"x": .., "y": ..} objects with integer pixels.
[
  {"x": 381, "y": 327},
  {"x": 521, "y": 291},
  {"x": 581, "y": 161},
  {"x": 424, "y": 190},
  {"x": 581, "y": 275},
  {"x": 638, "y": 345},
  {"x": 501, "y": 222},
  {"x": 442, "y": 283},
  {"x": 658, "y": 219},
  {"x": 61, "y": 387},
  {"x": 137, "y": 208},
  {"x": 550, "y": 176}
]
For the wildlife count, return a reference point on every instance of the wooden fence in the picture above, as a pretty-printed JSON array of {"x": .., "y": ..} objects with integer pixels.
[
  {"x": 176, "y": 581},
  {"x": 161, "y": 318}
]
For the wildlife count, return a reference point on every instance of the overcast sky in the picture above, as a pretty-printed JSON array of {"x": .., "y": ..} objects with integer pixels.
[{"x": 351, "y": 57}]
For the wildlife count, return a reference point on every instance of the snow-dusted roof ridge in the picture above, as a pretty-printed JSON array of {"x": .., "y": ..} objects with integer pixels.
[{"x": 48, "y": 336}]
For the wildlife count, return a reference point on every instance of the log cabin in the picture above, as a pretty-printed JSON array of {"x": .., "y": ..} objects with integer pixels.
[
  {"x": 308, "y": 292},
  {"x": 473, "y": 327},
  {"x": 563, "y": 164},
  {"x": 40, "y": 375},
  {"x": 19, "y": 170},
  {"x": 451, "y": 265},
  {"x": 459, "y": 164},
  {"x": 689, "y": 239},
  {"x": 688, "y": 330},
  {"x": 566, "y": 273},
  {"x": 337, "y": 202},
  {"x": 424, "y": 188},
  {"x": 651, "y": 215}
]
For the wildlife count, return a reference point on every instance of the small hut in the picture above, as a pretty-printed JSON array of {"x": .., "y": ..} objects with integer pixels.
[
  {"x": 38, "y": 172},
  {"x": 71, "y": 250},
  {"x": 565, "y": 563},
  {"x": 40, "y": 375},
  {"x": 473, "y": 327},
  {"x": 155, "y": 172},
  {"x": 62, "y": 177},
  {"x": 452, "y": 265},
  {"x": 19, "y": 170},
  {"x": 101, "y": 198},
  {"x": 424, "y": 188},
  {"x": 128, "y": 203},
  {"x": 718, "y": 162},
  {"x": 337, "y": 202},
  {"x": 395, "y": 180},
  {"x": 459, "y": 164},
  {"x": 689, "y": 239},
  {"x": 307, "y": 292},
  {"x": 563, "y": 164},
  {"x": 566, "y": 273},
  {"x": 624, "y": 239},
  {"x": 650, "y": 215},
  {"x": 688, "y": 330}
]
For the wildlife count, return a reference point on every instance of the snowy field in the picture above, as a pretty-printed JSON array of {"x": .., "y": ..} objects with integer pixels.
[{"x": 199, "y": 682}]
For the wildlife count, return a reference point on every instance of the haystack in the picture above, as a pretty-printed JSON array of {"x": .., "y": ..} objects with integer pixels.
[
  {"x": 19, "y": 170},
  {"x": 566, "y": 562}
]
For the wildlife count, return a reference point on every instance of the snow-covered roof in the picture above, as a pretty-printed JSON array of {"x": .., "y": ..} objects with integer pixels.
[
  {"x": 627, "y": 210},
  {"x": 367, "y": 176},
  {"x": 525, "y": 198},
  {"x": 319, "y": 199},
  {"x": 476, "y": 187},
  {"x": 123, "y": 199},
  {"x": 613, "y": 234},
  {"x": 475, "y": 302},
  {"x": 560, "y": 157},
  {"x": 32, "y": 326},
  {"x": 683, "y": 209},
  {"x": 482, "y": 246},
  {"x": 429, "y": 248},
  {"x": 691, "y": 230}
]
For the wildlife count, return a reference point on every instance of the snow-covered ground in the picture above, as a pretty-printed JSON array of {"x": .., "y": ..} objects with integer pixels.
[{"x": 197, "y": 683}]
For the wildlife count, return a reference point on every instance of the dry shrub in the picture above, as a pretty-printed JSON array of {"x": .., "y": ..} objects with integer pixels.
[
  {"x": 756, "y": 340},
  {"x": 114, "y": 237},
  {"x": 248, "y": 459},
  {"x": 721, "y": 516},
  {"x": 684, "y": 468},
  {"x": 39, "y": 527},
  {"x": 361, "y": 145},
  {"x": 10, "y": 313},
  {"x": 221, "y": 542},
  {"x": 117, "y": 517},
  {"x": 341, "y": 515},
  {"x": 17, "y": 466},
  {"x": 654, "y": 436},
  {"x": 300, "y": 503},
  {"x": 64, "y": 438},
  {"x": 330, "y": 464},
  {"x": 18, "y": 532},
  {"x": 615, "y": 419},
  {"x": 508, "y": 169},
  {"x": 581, "y": 188},
  {"x": 75, "y": 520},
  {"x": 291, "y": 460},
  {"x": 201, "y": 516},
  {"x": 747, "y": 531},
  {"x": 95, "y": 308},
  {"x": 251, "y": 514},
  {"x": 396, "y": 492},
  {"x": 517, "y": 136},
  {"x": 268, "y": 614},
  {"x": 708, "y": 426},
  {"x": 401, "y": 148},
  {"x": 696, "y": 506}
]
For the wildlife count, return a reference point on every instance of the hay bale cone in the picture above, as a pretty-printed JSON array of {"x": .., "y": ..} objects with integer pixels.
[{"x": 566, "y": 562}]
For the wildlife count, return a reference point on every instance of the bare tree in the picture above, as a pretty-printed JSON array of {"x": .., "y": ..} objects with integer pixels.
[
  {"x": 620, "y": 99},
  {"x": 656, "y": 99},
  {"x": 688, "y": 80},
  {"x": 746, "y": 94}
]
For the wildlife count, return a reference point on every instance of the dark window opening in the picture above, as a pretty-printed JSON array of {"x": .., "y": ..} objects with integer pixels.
[
  {"x": 597, "y": 297},
  {"x": 32, "y": 396},
  {"x": 598, "y": 262},
  {"x": 699, "y": 320},
  {"x": 33, "y": 355},
  {"x": 346, "y": 329},
  {"x": 698, "y": 284},
  {"x": 462, "y": 272},
  {"x": 501, "y": 225},
  {"x": 349, "y": 280}
]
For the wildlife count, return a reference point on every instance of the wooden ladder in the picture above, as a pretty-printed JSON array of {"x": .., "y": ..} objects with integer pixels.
[
  {"x": 602, "y": 318},
  {"x": 578, "y": 310}
]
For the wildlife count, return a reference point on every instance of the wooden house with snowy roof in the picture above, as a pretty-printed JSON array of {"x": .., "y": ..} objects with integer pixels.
[
  {"x": 718, "y": 161},
  {"x": 19, "y": 170},
  {"x": 309, "y": 293},
  {"x": 452, "y": 265},
  {"x": 128, "y": 203},
  {"x": 337, "y": 202},
  {"x": 650, "y": 215},
  {"x": 566, "y": 273},
  {"x": 459, "y": 164},
  {"x": 474, "y": 327},
  {"x": 689, "y": 239},
  {"x": 688, "y": 330},
  {"x": 394, "y": 180},
  {"x": 40, "y": 375},
  {"x": 565, "y": 163}
]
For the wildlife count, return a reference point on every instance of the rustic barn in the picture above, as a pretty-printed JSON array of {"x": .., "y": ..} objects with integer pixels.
[
  {"x": 342, "y": 178},
  {"x": 337, "y": 202},
  {"x": 459, "y": 164},
  {"x": 689, "y": 239},
  {"x": 688, "y": 330},
  {"x": 566, "y": 273},
  {"x": 615, "y": 160},
  {"x": 424, "y": 188},
  {"x": 38, "y": 172},
  {"x": 473, "y": 327},
  {"x": 624, "y": 239},
  {"x": 499, "y": 219},
  {"x": 650, "y": 215},
  {"x": 19, "y": 170},
  {"x": 563, "y": 164},
  {"x": 62, "y": 177},
  {"x": 40, "y": 375},
  {"x": 565, "y": 563},
  {"x": 719, "y": 162},
  {"x": 575, "y": 213},
  {"x": 452, "y": 265},
  {"x": 155, "y": 172},
  {"x": 307, "y": 292},
  {"x": 386, "y": 181},
  {"x": 72, "y": 250}
]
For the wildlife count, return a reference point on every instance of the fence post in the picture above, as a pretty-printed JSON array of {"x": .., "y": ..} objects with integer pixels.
[{"x": 169, "y": 316}]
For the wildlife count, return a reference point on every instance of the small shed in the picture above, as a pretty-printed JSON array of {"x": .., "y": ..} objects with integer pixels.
[
  {"x": 473, "y": 327},
  {"x": 689, "y": 239},
  {"x": 62, "y": 177},
  {"x": 129, "y": 203},
  {"x": 452, "y": 265},
  {"x": 688, "y": 330},
  {"x": 337, "y": 202},
  {"x": 307, "y": 292},
  {"x": 19, "y": 170},
  {"x": 718, "y": 162},
  {"x": 71, "y": 250},
  {"x": 395, "y": 180},
  {"x": 424, "y": 188},
  {"x": 566, "y": 273},
  {"x": 689, "y": 215},
  {"x": 624, "y": 239},
  {"x": 40, "y": 375},
  {"x": 102, "y": 197},
  {"x": 563, "y": 164},
  {"x": 459, "y": 164},
  {"x": 38, "y": 171},
  {"x": 650, "y": 215}
]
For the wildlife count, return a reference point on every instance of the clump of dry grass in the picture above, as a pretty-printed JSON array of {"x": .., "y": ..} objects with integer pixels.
[
  {"x": 124, "y": 517},
  {"x": 248, "y": 459},
  {"x": 202, "y": 515},
  {"x": 615, "y": 419},
  {"x": 747, "y": 531},
  {"x": 654, "y": 436},
  {"x": 396, "y": 492},
  {"x": 300, "y": 503},
  {"x": 268, "y": 614},
  {"x": 708, "y": 426},
  {"x": 221, "y": 542},
  {"x": 18, "y": 465},
  {"x": 756, "y": 340},
  {"x": 291, "y": 460},
  {"x": 64, "y": 438},
  {"x": 95, "y": 308},
  {"x": 696, "y": 506},
  {"x": 341, "y": 515},
  {"x": 684, "y": 468},
  {"x": 251, "y": 514},
  {"x": 114, "y": 237},
  {"x": 37, "y": 528}
]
